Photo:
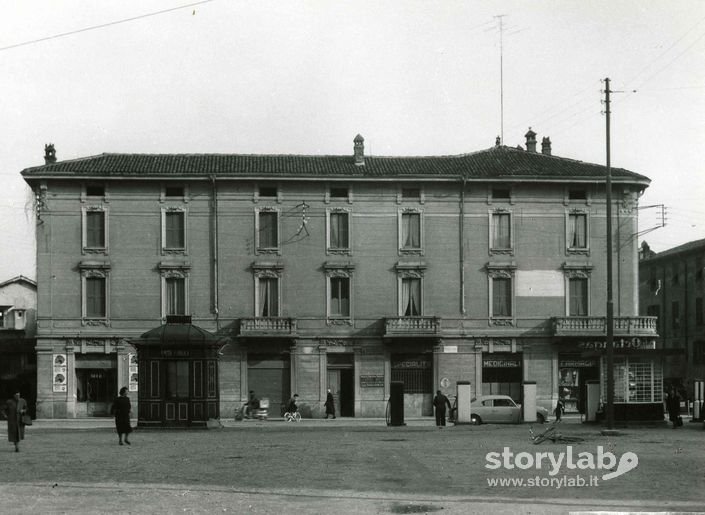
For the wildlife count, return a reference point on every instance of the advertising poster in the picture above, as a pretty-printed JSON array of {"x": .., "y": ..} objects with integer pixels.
[
  {"x": 59, "y": 372},
  {"x": 133, "y": 371}
]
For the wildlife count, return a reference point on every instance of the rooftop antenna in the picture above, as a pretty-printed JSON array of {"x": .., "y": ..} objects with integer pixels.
[{"x": 501, "y": 76}]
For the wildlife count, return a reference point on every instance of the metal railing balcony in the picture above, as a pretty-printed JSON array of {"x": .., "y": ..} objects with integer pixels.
[
  {"x": 597, "y": 326},
  {"x": 263, "y": 326},
  {"x": 412, "y": 326}
]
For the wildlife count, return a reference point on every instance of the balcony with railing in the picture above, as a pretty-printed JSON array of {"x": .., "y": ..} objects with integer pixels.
[
  {"x": 412, "y": 326},
  {"x": 268, "y": 326},
  {"x": 597, "y": 326}
]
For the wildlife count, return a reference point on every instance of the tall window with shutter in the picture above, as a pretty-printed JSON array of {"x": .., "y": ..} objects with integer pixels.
[
  {"x": 501, "y": 231},
  {"x": 578, "y": 291}
]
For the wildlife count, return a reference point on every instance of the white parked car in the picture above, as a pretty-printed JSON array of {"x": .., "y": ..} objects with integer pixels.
[{"x": 496, "y": 409}]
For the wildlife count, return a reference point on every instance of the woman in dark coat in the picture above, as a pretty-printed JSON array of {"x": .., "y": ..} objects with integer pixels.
[
  {"x": 122, "y": 409},
  {"x": 15, "y": 409},
  {"x": 330, "y": 405}
]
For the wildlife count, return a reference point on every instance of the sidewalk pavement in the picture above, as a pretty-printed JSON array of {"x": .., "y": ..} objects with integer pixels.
[{"x": 109, "y": 423}]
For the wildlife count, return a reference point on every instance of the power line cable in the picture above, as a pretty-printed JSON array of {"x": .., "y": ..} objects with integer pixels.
[
  {"x": 651, "y": 62},
  {"x": 103, "y": 25}
]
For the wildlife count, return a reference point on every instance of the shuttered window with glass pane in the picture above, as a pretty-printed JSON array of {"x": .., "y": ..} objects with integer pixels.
[
  {"x": 268, "y": 297},
  {"x": 578, "y": 287},
  {"x": 95, "y": 229},
  {"x": 95, "y": 297},
  {"x": 339, "y": 297},
  {"x": 268, "y": 230},
  {"x": 501, "y": 231},
  {"x": 501, "y": 297},
  {"x": 339, "y": 231},
  {"x": 577, "y": 230},
  {"x": 174, "y": 230},
  {"x": 175, "y": 296},
  {"x": 411, "y": 230}
]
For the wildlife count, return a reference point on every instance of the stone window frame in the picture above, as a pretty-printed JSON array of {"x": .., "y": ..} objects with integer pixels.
[
  {"x": 169, "y": 270},
  {"x": 577, "y": 271},
  {"x": 328, "y": 198},
  {"x": 579, "y": 251},
  {"x": 256, "y": 197},
  {"x": 587, "y": 201},
  {"x": 337, "y": 271},
  {"x": 410, "y": 271},
  {"x": 406, "y": 251},
  {"x": 85, "y": 197},
  {"x": 162, "y": 193},
  {"x": 501, "y": 271},
  {"x": 497, "y": 250},
  {"x": 421, "y": 199},
  {"x": 94, "y": 269},
  {"x": 334, "y": 250},
  {"x": 268, "y": 270},
  {"x": 490, "y": 198},
  {"x": 85, "y": 249},
  {"x": 174, "y": 250},
  {"x": 268, "y": 250}
]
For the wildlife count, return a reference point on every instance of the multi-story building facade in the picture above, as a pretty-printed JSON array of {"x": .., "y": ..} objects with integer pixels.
[
  {"x": 18, "y": 365},
  {"x": 672, "y": 288},
  {"x": 196, "y": 278}
]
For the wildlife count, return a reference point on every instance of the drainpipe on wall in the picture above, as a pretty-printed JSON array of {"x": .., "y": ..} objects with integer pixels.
[
  {"x": 461, "y": 247},
  {"x": 215, "y": 252}
]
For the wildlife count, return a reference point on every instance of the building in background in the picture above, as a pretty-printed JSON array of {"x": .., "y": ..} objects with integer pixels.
[
  {"x": 18, "y": 364},
  {"x": 672, "y": 288},
  {"x": 197, "y": 278}
]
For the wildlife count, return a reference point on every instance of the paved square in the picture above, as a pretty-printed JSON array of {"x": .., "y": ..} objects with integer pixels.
[{"x": 324, "y": 466}]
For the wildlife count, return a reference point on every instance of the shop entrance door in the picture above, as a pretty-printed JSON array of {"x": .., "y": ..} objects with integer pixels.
[{"x": 340, "y": 383}]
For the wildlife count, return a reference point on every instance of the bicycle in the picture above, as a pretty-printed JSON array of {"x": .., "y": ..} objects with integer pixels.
[
  {"x": 551, "y": 434},
  {"x": 292, "y": 417}
]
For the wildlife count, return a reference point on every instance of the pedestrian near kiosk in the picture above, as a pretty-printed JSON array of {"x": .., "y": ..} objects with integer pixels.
[
  {"x": 673, "y": 405},
  {"x": 121, "y": 410},
  {"x": 16, "y": 413},
  {"x": 440, "y": 402},
  {"x": 330, "y": 405}
]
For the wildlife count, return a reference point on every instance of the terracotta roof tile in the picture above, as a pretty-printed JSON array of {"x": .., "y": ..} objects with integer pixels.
[{"x": 496, "y": 162}]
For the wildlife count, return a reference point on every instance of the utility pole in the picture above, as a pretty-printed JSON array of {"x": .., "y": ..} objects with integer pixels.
[{"x": 610, "y": 300}]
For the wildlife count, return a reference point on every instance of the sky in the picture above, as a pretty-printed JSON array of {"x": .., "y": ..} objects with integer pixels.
[{"x": 304, "y": 77}]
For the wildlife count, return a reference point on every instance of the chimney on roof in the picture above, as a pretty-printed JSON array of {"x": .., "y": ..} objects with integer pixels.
[
  {"x": 359, "y": 150},
  {"x": 497, "y": 141},
  {"x": 530, "y": 141},
  {"x": 49, "y": 154},
  {"x": 546, "y": 146}
]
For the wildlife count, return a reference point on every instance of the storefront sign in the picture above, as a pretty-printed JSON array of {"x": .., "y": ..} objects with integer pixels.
[
  {"x": 411, "y": 364},
  {"x": 59, "y": 372},
  {"x": 372, "y": 381},
  {"x": 501, "y": 363},
  {"x": 169, "y": 353},
  {"x": 577, "y": 363},
  {"x": 450, "y": 349},
  {"x": 132, "y": 370},
  {"x": 619, "y": 343}
]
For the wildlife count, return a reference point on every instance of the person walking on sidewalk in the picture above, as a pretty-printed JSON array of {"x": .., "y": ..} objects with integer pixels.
[
  {"x": 121, "y": 411},
  {"x": 330, "y": 405},
  {"x": 560, "y": 409},
  {"x": 673, "y": 405},
  {"x": 15, "y": 411},
  {"x": 440, "y": 402}
]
